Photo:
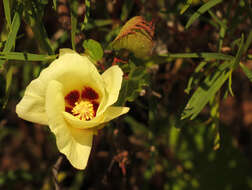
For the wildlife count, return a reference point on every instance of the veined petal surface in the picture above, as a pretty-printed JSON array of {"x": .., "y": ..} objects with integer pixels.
[
  {"x": 113, "y": 112},
  {"x": 32, "y": 105},
  {"x": 74, "y": 71},
  {"x": 113, "y": 80},
  {"x": 74, "y": 143}
]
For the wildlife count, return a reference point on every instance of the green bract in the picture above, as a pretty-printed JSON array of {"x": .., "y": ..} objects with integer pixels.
[{"x": 136, "y": 37}]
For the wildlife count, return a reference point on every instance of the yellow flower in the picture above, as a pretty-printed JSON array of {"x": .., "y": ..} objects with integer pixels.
[{"x": 75, "y": 101}]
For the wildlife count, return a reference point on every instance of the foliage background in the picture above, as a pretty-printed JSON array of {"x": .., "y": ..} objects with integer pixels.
[{"x": 199, "y": 46}]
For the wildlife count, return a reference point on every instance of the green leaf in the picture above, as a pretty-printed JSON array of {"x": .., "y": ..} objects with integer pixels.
[
  {"x": 248, "y": 42},
  {"x": 215, "y": 124},
  {"x": 33, "y": 14},
  {"x": 139, "y": 128},
  {"x": 186, "y": 6},
  {"x": 43, "y": 2},
  {"x": 8, "y": 79},
  {"x": 222, "y": 23},
  {"x": 126, "y": 9},
  {"x": 204, "y": 55},
  {"x": 7, "y": 12},
  {"x": 201, "y": 11},
  {"x": 242, "y": 49},
  {"x": 74, "y": 7},
  {"x": 194, "y": 78},
  {"x": 131, "y": 87},
  {"x": 96, "y": 23},
  {"x": 55, "y": 4},
  {"x": 239, "y": 53},
  {"x": 87, "y": 14},
  {"x": 215, "y": 132},
  {"x": 247, "y": 72},
  {"x": 93, "y": 49},
  {"x": 13, "y": 33},
  {"x": 12, "y": 36},
  {"x": 206, "y": 91},
  {"x": 20, "y": 56},
  {"x": 230, "y": 83},
  {"x": 222, "y": 34}
]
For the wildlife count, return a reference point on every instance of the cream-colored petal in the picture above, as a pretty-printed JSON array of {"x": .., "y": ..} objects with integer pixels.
[
  {"x": 80, "y": 124},
  {"x": 113, "y": 80},
  {"x": 79, "y": 148},
  {"x": 111, "y": 113},
  {"x": 65, "y": 51},
  {"x": 55, "y": 106},
  {"x": 114, "y": 112},
  {"x": 32, "y": 105},
  {"x": 104, "y": 103},
  {"x": 74, "y": 71},
  {"x": 74, "y": 143}
]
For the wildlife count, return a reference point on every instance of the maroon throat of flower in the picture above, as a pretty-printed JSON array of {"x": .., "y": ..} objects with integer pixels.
[{"x": 82, "y": 104}]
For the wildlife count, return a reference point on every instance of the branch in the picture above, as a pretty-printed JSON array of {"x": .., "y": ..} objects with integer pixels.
[{"x": 55, "y": 171}]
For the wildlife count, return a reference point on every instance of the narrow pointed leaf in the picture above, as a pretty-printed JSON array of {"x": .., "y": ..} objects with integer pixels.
[
  {"x": 12, "y": 36},
  {"x": 74, "y": 7},
  {"x": 186, "y": 6},
  {"x": 87, "y": 11},
  {"x": 247, "y": 72},
  {"x": 7, "y": 12},
  {"x": 239, "y": 53},
  {"x": 230, "y": 84},
  {"x": 215, "y": 124},
  {"x": 33, "y": 15},
  {"x": 194, "y": 77},
  {"x": 202, "y": 10},
  {"x": 204, "y": 55},
  {"x": 248, "y": 42},
  {"x": 8, "y": 79},
  {"x": 20, "y": 56},
  {"x": 55, "y": 4},
  {"x": 206, "y": 91}
]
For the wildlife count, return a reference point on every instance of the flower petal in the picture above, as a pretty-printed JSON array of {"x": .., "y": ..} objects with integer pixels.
[
  {"x": 74, "y": 71},
  {"x": 79, "y": 148},
  {"x": 65, "y": 51},
  {"x": 113, "y": 112},
  {"x": 113, "y": 80},
  {"x": 81, "y": 124},
  {"x": 31, "y": 107},
  {"x": 74, "y": 143}
]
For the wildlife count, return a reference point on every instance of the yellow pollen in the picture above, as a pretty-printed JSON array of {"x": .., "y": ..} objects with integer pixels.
[{"x": 84, "y": 110}]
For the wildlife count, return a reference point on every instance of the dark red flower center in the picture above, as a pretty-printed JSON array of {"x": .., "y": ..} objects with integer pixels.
[{"x": 82, "y": 104}]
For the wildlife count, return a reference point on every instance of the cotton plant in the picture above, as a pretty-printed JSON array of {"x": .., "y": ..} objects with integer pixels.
[{"x": 75, "y": 101}]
